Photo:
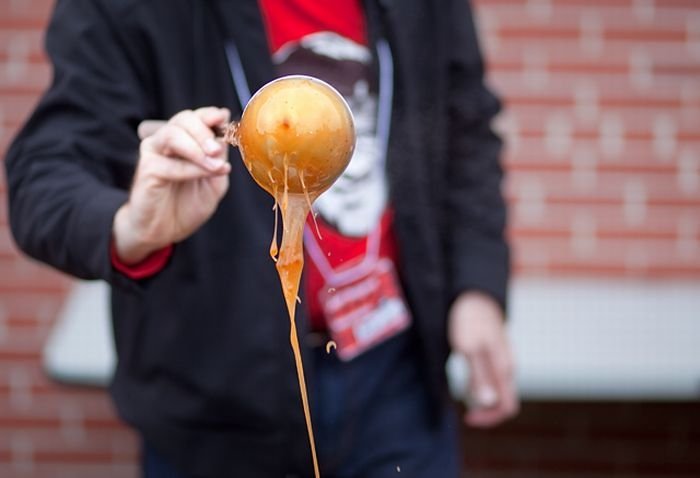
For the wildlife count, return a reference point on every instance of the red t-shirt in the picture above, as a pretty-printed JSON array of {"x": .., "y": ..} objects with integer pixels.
[
  {"x": 291, "y": 20},
  {"x": 329, "y": 41}
]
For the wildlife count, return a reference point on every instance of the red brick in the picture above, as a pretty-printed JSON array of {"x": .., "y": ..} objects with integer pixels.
[
  {"x": 33, "y": 80},
  {"x": 19, "y": 274},
  {"x": 27, "y": 303},
  {"x": 17, "y": 107},
  {"x": 24, "y": 23},
  {"x": 51, "y": 445},
  {"x": 479, "y": 4},
  {"x": 573, "y": 439},
  {"x": 610, "y": 187},
  {"x": 47, "y": 406},
  {"x": 610, "y": 219},
  {"x": 638, "y": 258},
  {"x": 61, "y": 470}
]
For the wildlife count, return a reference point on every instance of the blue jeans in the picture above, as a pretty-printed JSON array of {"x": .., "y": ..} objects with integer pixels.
[{"x": 371, "y": 419}]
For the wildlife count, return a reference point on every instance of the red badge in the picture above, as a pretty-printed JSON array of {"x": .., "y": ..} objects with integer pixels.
[{"x": 363, "y": 304}]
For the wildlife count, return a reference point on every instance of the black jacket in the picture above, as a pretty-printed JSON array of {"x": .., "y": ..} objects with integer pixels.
[{"x": 205, "y": 370}]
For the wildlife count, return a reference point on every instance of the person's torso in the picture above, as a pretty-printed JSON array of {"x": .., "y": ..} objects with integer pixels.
[{"x": 228, "y": 299}]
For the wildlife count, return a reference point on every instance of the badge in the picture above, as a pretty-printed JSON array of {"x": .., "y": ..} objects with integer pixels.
[
  {"x": 365, "y": 312},
  {"x": 363, "y": 304}
]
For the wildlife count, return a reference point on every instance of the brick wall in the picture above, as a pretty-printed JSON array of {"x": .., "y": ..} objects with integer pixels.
[
  {"x": 46, "y": 430},
  {"x": 603, "y": 122},
  {"x": 590, "y": 440},
  {"x": 603, "y": 127}
]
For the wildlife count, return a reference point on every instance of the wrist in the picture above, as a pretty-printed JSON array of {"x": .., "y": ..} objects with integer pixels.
[
  {"x": 129, "y": 244},
  {"x": 478, "y": 300},
  {"x": 472, "y": 313}
]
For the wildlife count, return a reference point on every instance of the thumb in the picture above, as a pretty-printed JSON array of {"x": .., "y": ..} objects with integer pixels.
[{"x": 149, "y": 128}]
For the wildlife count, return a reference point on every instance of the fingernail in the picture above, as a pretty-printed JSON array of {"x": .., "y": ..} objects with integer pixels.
[
  {"x": 212, "y": 147},
  {"x": 214, "y": 162}
]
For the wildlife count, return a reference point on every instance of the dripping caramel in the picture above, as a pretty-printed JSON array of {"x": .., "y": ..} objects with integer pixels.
[{"x": 296, "y": 137}]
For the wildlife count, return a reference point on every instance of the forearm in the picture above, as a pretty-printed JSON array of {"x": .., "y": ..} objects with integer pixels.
[
  {"x": 477, "y": 251},
  {"x": 476, "y": 245},
  {"x": 61, "y": 215}
]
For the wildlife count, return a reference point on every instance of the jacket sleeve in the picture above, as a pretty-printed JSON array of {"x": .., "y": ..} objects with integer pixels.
[
  {"x": 477, "y": 251},
  {"x": 69, "y": 168}
]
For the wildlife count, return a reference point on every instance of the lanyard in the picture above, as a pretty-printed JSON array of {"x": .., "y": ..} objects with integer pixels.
[
  {"x": 235, "y": 66},
  {"x": 386, "y": 91}
]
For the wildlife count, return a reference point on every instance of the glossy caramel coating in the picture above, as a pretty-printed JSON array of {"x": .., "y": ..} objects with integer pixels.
[
  {"x": 296, "y": 130},
  {"x": 296, "y": 137}
]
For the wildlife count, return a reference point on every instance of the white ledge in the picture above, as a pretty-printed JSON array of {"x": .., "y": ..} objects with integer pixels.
[{"x": 573, "y": 339}]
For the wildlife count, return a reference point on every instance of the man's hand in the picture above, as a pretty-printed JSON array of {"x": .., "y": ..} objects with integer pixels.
[
  {"x": 181, "y": 176},
  {"x": 476, "y": 330}
]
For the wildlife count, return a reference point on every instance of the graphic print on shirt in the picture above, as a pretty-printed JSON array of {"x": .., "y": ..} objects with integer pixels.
[
  {"x": 353, "y": 290},
  {"x": 355, "y": 203}
]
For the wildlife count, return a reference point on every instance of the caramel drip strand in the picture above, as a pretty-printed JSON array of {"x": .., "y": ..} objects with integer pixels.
[
  {"x": 308, "y": 202},
  {"x": 289, "y": 266},
  {"x": 274, "y": 250}
]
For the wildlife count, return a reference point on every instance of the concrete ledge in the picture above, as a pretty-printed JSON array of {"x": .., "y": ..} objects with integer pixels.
[
  {"x": 573, "y": 339},
  {"x": 80, "y": 349},
  {"x": 586, "y": 339}
]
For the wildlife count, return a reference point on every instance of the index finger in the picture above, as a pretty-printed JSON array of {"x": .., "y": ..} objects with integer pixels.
[{"x": 198, "y": 124}]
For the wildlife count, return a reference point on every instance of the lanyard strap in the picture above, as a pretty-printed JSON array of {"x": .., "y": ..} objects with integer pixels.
[
  {"x": 386, "y": 93},
  {"x": 386, "y": 97},
  {"x": 349, "y": 274},
  {"x": 235, "y": 66}
]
